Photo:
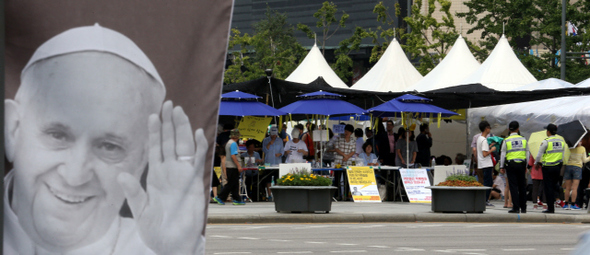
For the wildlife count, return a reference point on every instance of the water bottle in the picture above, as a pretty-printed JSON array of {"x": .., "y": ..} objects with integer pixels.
[
  {"x": 432, "y": 163},
  {"x": 272, "y": 182}
]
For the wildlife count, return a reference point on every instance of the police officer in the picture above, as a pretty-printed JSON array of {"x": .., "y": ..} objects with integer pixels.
[
  {"x": 550, "y": 156},
  {"x": 513, "y": 162}
]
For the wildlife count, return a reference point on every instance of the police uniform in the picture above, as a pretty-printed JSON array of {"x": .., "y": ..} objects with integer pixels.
[
  {"x": 551, "y": 156},
  {"x": 514, "y": 161}
]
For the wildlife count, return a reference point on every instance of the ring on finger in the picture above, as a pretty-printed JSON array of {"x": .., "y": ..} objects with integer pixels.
[{"x": 185, "y": 158}]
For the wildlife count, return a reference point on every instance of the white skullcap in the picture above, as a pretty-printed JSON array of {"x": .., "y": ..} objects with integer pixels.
[{"x": 94, "y": 38}]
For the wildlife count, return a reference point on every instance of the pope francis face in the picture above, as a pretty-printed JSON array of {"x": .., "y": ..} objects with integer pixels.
[{"x": 80, "y": 122}]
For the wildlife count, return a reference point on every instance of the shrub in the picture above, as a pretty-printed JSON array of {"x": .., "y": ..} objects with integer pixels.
[{"x": 303, "y": 178}]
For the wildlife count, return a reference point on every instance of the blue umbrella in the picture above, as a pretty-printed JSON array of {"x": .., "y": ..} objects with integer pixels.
[
  {"x": 408, "y": 104},
  {"x": 238, "y": 95},
  {"x": 243, "y": 104},
  {"x": 323, "y": 103}
]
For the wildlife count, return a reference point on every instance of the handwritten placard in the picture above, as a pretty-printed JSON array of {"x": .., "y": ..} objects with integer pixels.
[{"x": 254, "y": 127}]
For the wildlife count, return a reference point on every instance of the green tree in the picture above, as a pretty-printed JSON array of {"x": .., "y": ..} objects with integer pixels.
[
  {"x": 326, "y": 17},
  {"x": 430, "y": 39},
  {"x": 514, "y": 18},
  {"x": 382, "y": 35},
  {"x": 343, "y": 65},
  {"x": 273, "y": 46},
  {"x": 242, "y": 66},
  {"x": 547, "y": 35},
  {"x": 533, "y": 24}
]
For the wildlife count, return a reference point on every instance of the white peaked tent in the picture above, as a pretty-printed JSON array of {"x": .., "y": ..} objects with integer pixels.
[
  {"x": 534, "y": 115},
  {"x": 550, "y": 83},
  {"x": 455, "y": 67},
  {"x": 313, "y": 66},
  {"x": 584, "y": 84},
  {"x": 393, "y": 72},
  {"x": 502, "y": 70}
]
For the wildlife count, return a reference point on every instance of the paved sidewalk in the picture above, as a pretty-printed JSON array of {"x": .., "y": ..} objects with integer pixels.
[{"x": 350, "y": 212}]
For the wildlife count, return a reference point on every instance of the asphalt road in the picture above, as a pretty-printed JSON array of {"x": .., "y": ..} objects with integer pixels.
[{"x": 392, "y": 238}]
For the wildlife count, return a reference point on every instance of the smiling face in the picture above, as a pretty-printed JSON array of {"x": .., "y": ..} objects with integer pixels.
[{"x": 81, "y": 123}]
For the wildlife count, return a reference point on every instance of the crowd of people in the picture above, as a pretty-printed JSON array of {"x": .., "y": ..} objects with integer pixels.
[
  {"x": 545, "y": 178},
  {"x": 502, "y": 163},
  {"x": 351, "y": 147}
]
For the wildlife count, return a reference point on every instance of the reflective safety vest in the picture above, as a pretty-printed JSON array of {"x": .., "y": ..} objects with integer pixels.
[
  {"x": 515, "y": 148},
  {"x": 554, "y": 153}
]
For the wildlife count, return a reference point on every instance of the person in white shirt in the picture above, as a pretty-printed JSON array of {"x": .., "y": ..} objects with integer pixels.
[
  {"x": 484, "y": 157},
  {"x": 295, "y": 149}
]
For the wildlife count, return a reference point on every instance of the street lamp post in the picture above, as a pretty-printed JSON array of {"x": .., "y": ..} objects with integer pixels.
[
  {"x": 268, "y": 73},
  {"x": 563, "y": 5}
]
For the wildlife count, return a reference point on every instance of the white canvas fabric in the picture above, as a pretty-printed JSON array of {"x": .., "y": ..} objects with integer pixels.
[
  {"x": 313, "y": 66},
  {"x": 533, "y": 116},
  {"x": 550, "y": 83},
  {"x": 455, "y": 67},
  {"x": 393, "y": 72},
  {"x": 502, "y": 70},
  {"x": 584, "y": 84}
]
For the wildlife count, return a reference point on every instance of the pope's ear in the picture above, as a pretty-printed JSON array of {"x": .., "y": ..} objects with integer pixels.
[{"x": 11, "y": 127}]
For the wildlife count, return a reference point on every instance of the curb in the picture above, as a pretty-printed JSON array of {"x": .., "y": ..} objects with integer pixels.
[{"x": 393, "y": 218}]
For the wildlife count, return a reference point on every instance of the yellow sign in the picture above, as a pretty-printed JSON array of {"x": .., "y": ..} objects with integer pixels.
[
  {"x": 254, "y": 127},
  {"x": 363, "y": 185}
]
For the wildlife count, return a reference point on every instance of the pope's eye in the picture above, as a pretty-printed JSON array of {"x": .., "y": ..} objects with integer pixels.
[
  {"x": 110, "y": 152},
  {"x": 110, "y": 147},
  {"x": 58, "y": 135},
  {"x": 57, "y": 138}
]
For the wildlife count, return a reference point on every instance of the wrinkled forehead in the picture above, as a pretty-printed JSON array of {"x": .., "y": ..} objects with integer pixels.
[{"x": 90, "y": 77}]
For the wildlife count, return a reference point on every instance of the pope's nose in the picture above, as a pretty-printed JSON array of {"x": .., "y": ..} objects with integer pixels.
[{"x": 76, "y": 169}]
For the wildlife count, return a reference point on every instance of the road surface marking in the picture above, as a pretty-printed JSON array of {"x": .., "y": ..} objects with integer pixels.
[
  {"x": 248, "y": 238},
  {"x": 408, "y": 249},
  {"x": 237, "y": 252},
  {"x": 351, "y": 244},
  {"x": 293, "y": 252},
  {"x": 316, "y": 242},
  {"x": 460, "y": 250},
  {"x": 279, "y": 240},
  {"x": 521, "y": 249},
  {"x": 379, "y": 246},
  {"x": 351, "y": 251},
  {"x": 218, "y": 236},
  {"x": 567, "y": 249}
]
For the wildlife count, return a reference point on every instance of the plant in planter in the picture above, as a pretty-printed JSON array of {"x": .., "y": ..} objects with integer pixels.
[
  {"x": 460, "y": 192},
  {"x": 302, "y": 191},
  {"x": 303, "y": 178},
  {"x": 460, "y": 179}
]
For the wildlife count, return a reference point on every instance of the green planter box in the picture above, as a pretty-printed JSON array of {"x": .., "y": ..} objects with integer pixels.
[
  {"x": 303, "y": 198},
  {"x": 458, "y": 199}
]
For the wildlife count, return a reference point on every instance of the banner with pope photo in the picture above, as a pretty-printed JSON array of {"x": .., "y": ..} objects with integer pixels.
[
  {"x": 363, "y": 186},
  {"x": 110, "y": 118}
]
